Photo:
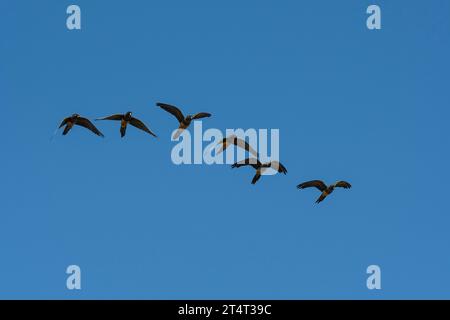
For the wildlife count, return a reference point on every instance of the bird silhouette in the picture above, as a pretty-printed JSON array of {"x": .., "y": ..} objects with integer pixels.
[
  {"x": 126, "y": 119},
  {"x": 234, "y": 140},
  {"x": 185, "y": 122},
  {"x": 76, "y": 119},
  {"x": 260, "y": 167},
  {"x": 326, "y": 190}
]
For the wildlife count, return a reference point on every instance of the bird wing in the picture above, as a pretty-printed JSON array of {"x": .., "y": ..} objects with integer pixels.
[
  {"x": 140, "y": 125},
  {"x": 343, "y": 184},
  {"x": 244, "y": 145},
  {"x": 68, "y": 128},
  {"x": 173, "y": 110},
  {"x": 112, "y": 117},
  {"x": 314, "y": 183},
  {"x": 63, "y": 123},
  {"x": 276, "y": 165},
  {"x": 282, "y": 169},
  {"x": 88, "y": 125},
  {"x": 223, "y": 145},
  {"x": 201, "y": 115},
  {"x": 247, "y": 162}
]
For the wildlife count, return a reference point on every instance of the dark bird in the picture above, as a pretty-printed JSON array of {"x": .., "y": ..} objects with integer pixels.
[
  {"x": 326, "y": 190},
  {"x": 76, "y": 119},
  {"x": 260, "y": 167},
  {"x": 126, "y": 119},
  {"x": 184, "y": 121},
  {"x": 234, "y": 140}
]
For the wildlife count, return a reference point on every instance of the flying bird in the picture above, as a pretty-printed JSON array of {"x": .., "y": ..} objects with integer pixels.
[
  {"x": 234, "y": 140},
  {"x": 326, "y": 190},
  {"x": 184, "y": 121},
  {"x": 126, "y": 119},
  {"x": 76, "y": 119},
  {"x": 260, "y": 167}
]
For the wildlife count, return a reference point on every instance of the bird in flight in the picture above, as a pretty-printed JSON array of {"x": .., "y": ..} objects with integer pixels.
[
  {"x": 126, "y": 119},
  {"x": 76, "y": 119},
  {"x": 226, "y": 142},
  {"x": 184, "y": 121},
  {"x": 260, "y": 167},
  {"x": 326, "y": 190}
]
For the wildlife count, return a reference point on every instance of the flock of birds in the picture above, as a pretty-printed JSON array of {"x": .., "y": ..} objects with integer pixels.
[{"x": 184, "y": 122}]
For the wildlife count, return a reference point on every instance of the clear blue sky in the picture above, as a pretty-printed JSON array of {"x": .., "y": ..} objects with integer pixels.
[{"x": 371, "y": 107}]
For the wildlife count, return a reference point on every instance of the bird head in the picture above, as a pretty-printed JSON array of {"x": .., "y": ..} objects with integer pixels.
[
  {"x": 189, "y": 118},
  {"x": 75, "y": 115},
  {"x": 128, "y": 115}
]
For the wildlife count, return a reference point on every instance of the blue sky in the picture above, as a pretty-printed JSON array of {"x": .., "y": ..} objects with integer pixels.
[{"x": 371, "y": 107}]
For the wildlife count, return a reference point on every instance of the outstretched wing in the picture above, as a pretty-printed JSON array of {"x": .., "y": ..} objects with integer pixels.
[
  {"x": 247, "y": 162},
  {"x": 276, "y": 166},
  {"x": 244, "y": 145},
  {"x": 140, "y": 125},
  {"x": 113, "y": 117},
  {"x": 343, "y": 184},
  {"x": 63, "y": 123},
  {"x": 282, "y": 169},
  {"x": 173, "y": 110},
  {"x": 223, "y": 145},
  {"x": 201, "y": 115},
  {"x": 314, "y": 183},
  {"x": 226, "y": 142},
  {"x": 88, "y": 125}
]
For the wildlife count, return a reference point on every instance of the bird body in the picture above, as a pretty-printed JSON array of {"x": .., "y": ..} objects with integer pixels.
[
  {"x": 126, "y": 119},
  {"x": 260, "y": 167},
  {"x": 123, "y": 127},
  {"x": 326, "y": 190},
  {"x": 184, "y": 122},
  {"x": 324, "y": 194},
  {"x": 76, "y": 119},
  {"x": 69, "y": 125}
]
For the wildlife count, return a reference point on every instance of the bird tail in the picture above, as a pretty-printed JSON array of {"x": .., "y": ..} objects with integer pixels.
[
  {"x": 256, "y": 178},
  {"x": 123, "y": 131},
  {"x": 321, "y": 198},
  {"x": 178, "y": 133}
]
